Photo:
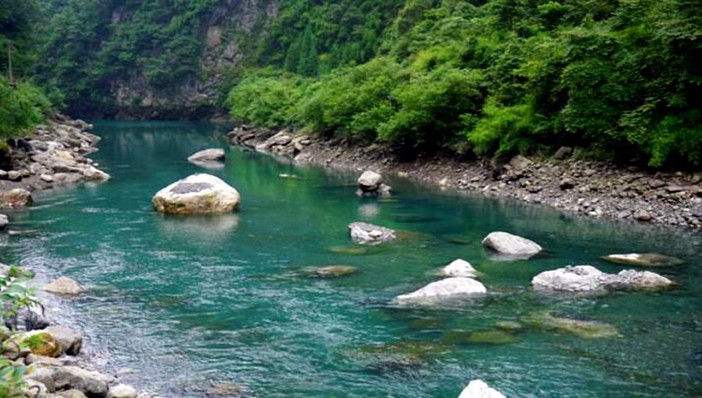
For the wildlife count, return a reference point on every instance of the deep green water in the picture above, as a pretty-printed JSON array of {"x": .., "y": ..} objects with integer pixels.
[{"x": 194, "y": 302}]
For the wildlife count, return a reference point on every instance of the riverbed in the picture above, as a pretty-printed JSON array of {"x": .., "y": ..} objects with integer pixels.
[{"x": 189, "y": 306}]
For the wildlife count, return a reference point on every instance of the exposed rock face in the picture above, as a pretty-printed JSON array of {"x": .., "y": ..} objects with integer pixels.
[
  {"x": 197, "y": 194},
  {"x": 208, "y": 158},
  {"x": 441, "y": 290},
  {"x": 368, "y": 234},
  {"x": 511, "y": 245},
  {"x": 479, "y": 389},
  {"x": 586, "y": 278},
  {"x": 459, "y": 268},
  {"x": 643, "y": 259},
  {"x": 64, "y": 286}
]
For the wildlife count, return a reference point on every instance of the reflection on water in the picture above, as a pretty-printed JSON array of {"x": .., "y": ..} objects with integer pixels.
[{"x": 211, "y": 304}]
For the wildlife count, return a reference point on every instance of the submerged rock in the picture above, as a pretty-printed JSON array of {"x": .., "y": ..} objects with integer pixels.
[
  {"x": 583, "y": 328},
  {"x": 459, "y": 268},
  {"x": 643, "y": 259},
  {"x": 586, "y": 278},
  {"x": 368, "y": 234},
  {"x": 486, "y": 337},
  {"x": 330, "y": 271},
  {"x": 64, "y": 286},
  {"x": 449, "y": 288},
  {"x": 479, "y": 389},
  {"x": 511, "y": 246},
  {"x": 197, "y": 194}
]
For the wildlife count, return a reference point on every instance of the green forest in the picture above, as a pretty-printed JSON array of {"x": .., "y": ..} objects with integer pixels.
[{"x": 468, "y": 78}]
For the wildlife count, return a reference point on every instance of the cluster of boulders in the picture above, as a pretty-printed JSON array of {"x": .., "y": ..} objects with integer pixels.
[
  {"x": 283, "y": 143},
  {"x": 50, "y": 353},
  {"x": 54, "y": 155},
  {"x": 563, "y": 181}
]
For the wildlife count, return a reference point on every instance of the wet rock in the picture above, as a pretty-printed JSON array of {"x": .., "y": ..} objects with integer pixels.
[
  {"x": 15, "y": 198},
  {"x": 583, "y": 328},
  {"x": 122, "y": 391},
  {"x": 445, "y": 289},
  {"x": 459, "y": 268},
  {"x": 581, "y": 278},
  {"x": 3, "y": 222},
  {"x": 208, "y": 155},
  {"x": 330, "y": 271},
  {"x": 563, "y": 152},
  {"x": 643, "y": 259},
  {"x": 368, "y": 234},
  {"x": 369, "y": 181},
  {"x": 64, "y": 286},
  {"x": 69, "y": 340},
  {"x": 642, "y": 215},
  {"x": 586, "y": 278},
  {"x": 91, "y": 383},
  {"x": 196, "y": 194},
  {"x": 479, "y": 389},
  {"x": 511, "y": 245},
  {"x": 44, "y": 376}
]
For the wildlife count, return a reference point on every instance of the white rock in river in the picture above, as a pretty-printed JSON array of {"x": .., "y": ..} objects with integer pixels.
[
  {"x": 586, "y": 278},
  {"x": 368, "y": 234},
  {"x": 197, "y": 194},
  {"x": 208, "y": 158},
  {"x": 511, "y": 245},
  {"x": 459, "y": 267},
  {"x": 580, "y": 278},
  {"x": 369, "y": 181},
  {"x": 63, "y": 286},
  {"x": 480, "y": 389},
  {"x": 444, "y": 289},
  {"x": 643, "y": 259}
]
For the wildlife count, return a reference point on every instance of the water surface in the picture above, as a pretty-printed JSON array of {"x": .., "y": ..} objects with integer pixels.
[{"x": 196, "y": 303}]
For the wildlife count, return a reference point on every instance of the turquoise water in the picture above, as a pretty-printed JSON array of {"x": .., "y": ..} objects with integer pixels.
[{"x": 194, "y": 303}]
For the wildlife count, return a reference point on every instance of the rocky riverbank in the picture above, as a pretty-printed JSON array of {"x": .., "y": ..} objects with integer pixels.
[
  {"x": 597, "y": 189},
  {"x": 50, "y": 354}
]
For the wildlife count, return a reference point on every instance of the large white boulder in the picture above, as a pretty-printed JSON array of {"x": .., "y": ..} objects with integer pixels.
[
  {"x": 511, "y": 245},
  {"x": 197, "y": 194},
  {"x": 369, "y": 181},
  {"x": 459, "y": 267},
  {"x": 480, "y": 389},
  {"x": 448, "y": 288}
]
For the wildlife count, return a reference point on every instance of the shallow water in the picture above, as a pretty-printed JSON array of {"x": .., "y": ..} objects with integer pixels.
[{"x": 202, "y": 302}]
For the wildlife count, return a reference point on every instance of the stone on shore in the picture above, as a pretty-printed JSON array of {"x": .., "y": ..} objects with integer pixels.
[
  {"x": 586, "y": 278},
  {"x": 44, "y": 376},
  {"x": 122, "y": 391},
  {"x": 38, "y": 342},
  {"x": 459, "y": 268},
  {"x": 63, "y": 286},
  {"x": 72, "y": 393},
  {"x": 15, "y": 198},
  {"x": 444, "y": 289},
  {"x": 368, "y": 234},
  {"x": 197, "y": 194},
  {"x": 479, "y": 389},
  {"x": 91, "y": 383},
  {"x": 643, "y": 259},
  {"x": 69, "y": 340},
  {"x": 512, "y": 246}
]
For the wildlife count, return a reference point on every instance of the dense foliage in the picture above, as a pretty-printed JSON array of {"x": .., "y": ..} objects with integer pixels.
[
  {"x": 620, "y": 78},
  {"x": 22, "y": 104}
]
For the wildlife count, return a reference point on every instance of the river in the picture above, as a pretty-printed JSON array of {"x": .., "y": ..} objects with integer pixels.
[{"x": 201, "y": 305}]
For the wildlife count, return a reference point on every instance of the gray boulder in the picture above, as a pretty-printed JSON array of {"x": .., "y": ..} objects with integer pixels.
[
  {"x": 91, "y": 383},
  {"x": 4, "y": 221},
  {"x": 122, "y": 391},
  {"x": 444, "y": 289},
  {"x": 643, "y": 259},
  {"x": 69, "y": 340},
  {"x": 197, "y": 194},
  {"x": 586, "y": 278},
  {"x": 368, "y": 234},
  {"x": 511, "y": 246},
  {"x": 15, "y": 198},
  {"x": 369, "y": 181},
  {"x": 479, "y": 389},
  {"x": 63, "y": 286},
  {"x": 208, "y": 158}
]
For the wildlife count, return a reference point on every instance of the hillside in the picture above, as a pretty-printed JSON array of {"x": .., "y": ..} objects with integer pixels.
[{"x": 485, "y": 78}]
